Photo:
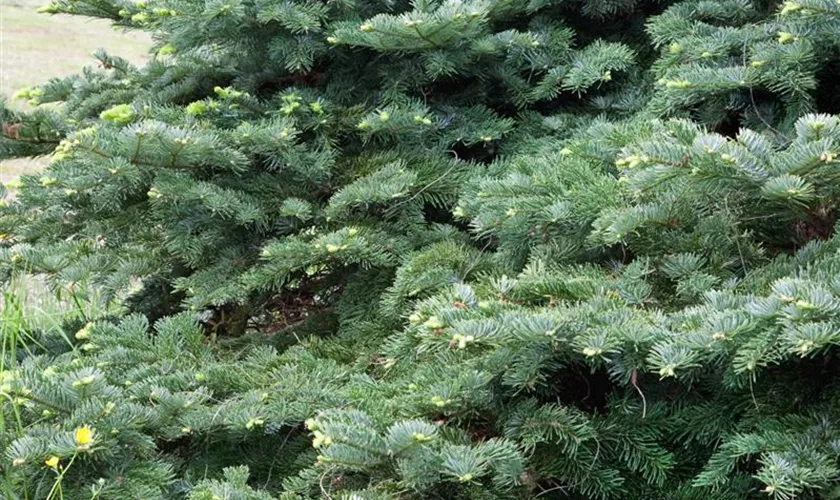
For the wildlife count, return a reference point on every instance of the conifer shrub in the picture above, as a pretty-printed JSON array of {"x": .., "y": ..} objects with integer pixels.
[{"x": 434, "y": 249}]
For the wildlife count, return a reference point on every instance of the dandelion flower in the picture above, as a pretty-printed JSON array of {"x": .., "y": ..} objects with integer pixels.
[{"x": 83, "y": 436}]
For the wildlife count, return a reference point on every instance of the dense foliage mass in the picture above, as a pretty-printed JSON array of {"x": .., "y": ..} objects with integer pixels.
[{"x": 469, "y": 249}]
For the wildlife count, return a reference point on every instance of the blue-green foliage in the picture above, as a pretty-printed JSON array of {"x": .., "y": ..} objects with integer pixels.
[{"x": 435, "y": 249}]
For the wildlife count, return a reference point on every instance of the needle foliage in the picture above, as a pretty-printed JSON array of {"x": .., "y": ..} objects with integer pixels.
[{"x": 469, "y": 249}]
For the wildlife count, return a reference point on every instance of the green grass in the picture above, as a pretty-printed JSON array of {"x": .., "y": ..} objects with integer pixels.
[
  {"x": 36, "y": 47},
  {"x": 21, "y": 316},
  {"x": 27, "y": 304}
]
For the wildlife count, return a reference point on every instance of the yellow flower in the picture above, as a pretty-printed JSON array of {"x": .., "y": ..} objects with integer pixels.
[
  {"x": 83, "y": 436},
  {"x": 52, "y": 462}
]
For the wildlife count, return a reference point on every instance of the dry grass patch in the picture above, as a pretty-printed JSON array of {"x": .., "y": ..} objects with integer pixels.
[{"x": 36, "y": 47}]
